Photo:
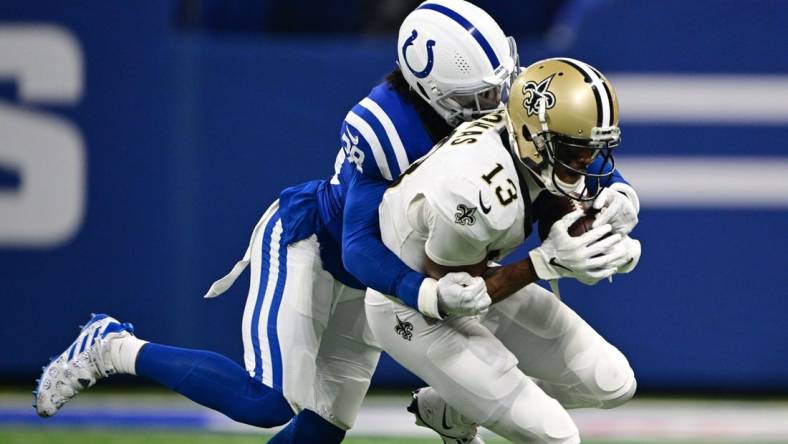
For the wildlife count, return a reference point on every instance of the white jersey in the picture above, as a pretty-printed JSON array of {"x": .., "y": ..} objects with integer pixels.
[{"x": 460, "y": 204}]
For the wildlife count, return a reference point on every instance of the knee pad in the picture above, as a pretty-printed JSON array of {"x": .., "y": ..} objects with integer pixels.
[
  {"x": 606, "y": 380},
  {"x": 624, "y": 394},
  {"x": 614, "y": 378}
]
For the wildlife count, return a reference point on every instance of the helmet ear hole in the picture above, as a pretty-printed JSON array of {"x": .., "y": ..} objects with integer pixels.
[
  {"x": 422, "y": 91},
  {"x": 526, "y": 133}
]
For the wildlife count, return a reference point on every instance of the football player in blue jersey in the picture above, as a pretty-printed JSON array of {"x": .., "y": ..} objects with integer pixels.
[{"x": 308, "y": 351}]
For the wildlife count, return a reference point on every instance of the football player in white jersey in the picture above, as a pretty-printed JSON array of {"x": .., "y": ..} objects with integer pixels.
[{"x": 516, "y": 368}]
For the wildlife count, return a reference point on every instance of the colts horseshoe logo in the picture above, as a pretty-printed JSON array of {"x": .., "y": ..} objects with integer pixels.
[{"x": 430, "y": 59}]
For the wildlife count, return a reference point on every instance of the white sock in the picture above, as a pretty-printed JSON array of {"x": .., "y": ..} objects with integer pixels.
[{"x": 123, "y": 353}]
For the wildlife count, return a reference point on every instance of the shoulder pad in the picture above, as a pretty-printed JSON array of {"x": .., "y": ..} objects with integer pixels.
[{"x": 377, "y": 130}]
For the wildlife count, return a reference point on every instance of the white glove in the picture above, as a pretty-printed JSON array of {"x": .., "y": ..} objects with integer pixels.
[
  {"x": 453, "y": 294},
  {"x": 616, "y": 209},
  {"x": 587, "y": 258},
  {"x": 629, "y": 253},
  {"x": 462, "y": 294}
]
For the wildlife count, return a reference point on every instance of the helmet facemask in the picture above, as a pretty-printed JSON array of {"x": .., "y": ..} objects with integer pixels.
[
  {"x": 461, "y": 107},
  {"x": 579, "y": 158}
]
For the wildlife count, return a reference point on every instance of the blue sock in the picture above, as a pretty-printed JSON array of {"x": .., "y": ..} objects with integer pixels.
[
  {"x": 214, "y": 381},
  {"x": 309, "y": 427}
]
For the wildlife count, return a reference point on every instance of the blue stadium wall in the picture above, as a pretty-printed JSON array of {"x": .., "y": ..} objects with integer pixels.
[{"x": 164, "y": 148}]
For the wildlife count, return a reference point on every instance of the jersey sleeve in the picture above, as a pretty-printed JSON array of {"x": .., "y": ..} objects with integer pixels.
[
  {"x": 460, "y": 229},
  {"x": 372, "y": 142},
  {"x": 599, "y": 165},
  {"x": 616, "y": 182},
  {"x": 447, "y": 245},
  {"x": 363, "y": 252}
]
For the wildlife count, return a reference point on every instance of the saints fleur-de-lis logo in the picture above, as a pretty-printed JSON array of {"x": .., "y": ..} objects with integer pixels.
[
  {"x": 465, "y": 215},
  {"x": 404, "y": 329},
  {"x": 534, "y": 92}
]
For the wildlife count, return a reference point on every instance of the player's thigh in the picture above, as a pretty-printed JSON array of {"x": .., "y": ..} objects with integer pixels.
[
  {"x": 287, "y": 310},
  {"x": 346, "y": 360},
  {"x": 554, "y": 344},
  {"x": 472, "y": 371},
  {"x": 458, "y": 357}
]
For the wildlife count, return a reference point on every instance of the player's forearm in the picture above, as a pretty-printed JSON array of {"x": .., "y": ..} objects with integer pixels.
[
  {"x": 505, "y": 280},
  {"x": 377, "y": 267},
  {"x": 363, "y": 252},
  {"x": 501, "y": 281}
]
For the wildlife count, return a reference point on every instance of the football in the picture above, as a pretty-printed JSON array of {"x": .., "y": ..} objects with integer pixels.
[{"x": 549, "y": 208}]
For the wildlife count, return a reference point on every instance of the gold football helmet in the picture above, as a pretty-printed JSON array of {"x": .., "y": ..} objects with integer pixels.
[{"x": 564, "y": 124}]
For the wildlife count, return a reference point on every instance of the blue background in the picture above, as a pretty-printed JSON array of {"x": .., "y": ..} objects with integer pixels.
[{"x": 191, "y": 135}]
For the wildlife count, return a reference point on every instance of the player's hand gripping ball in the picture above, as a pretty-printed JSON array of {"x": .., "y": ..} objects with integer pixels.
[{"x": 549, "y": 208}]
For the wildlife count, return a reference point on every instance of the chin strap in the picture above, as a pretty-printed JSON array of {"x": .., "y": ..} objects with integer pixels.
[
  {"x": 554, "y": 287},
  {"x": 543, "y": 114}
]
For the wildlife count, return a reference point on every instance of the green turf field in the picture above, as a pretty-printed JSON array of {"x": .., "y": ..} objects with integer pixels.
[
  {"x": 158, "y": 417},
  {"x": 31, "y": 436},
  {"x": 92, "y": 436},
  {"x": 77, "y": 436}
]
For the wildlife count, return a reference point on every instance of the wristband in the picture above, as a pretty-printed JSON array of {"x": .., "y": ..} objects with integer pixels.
[
  {"x": 542, "y": 269},
  {"x": 428, "y": 298}
]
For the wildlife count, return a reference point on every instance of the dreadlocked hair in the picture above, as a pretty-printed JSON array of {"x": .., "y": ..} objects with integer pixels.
[{"x": 435, "y": 124}]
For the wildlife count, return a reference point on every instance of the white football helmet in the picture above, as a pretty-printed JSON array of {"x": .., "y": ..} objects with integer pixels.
[{"x": 456, "y": 57}]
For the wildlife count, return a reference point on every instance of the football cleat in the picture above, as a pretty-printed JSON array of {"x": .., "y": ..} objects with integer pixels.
[
  {"x": 431, "y": 412},
  {"x": 83, "y": 363}
]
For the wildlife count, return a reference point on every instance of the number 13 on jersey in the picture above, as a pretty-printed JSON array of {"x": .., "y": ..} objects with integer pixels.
[{"x": 506, "y": 193}]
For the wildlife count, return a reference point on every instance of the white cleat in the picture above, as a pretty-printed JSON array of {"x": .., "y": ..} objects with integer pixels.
[
  {"x": 431, "y": 412},
  {"x": 83, "y": 363}
]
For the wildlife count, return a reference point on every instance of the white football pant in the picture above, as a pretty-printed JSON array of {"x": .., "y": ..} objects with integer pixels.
[
  {"x": 484, "y": 366},
  {"x": 304, "y": 333}
]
